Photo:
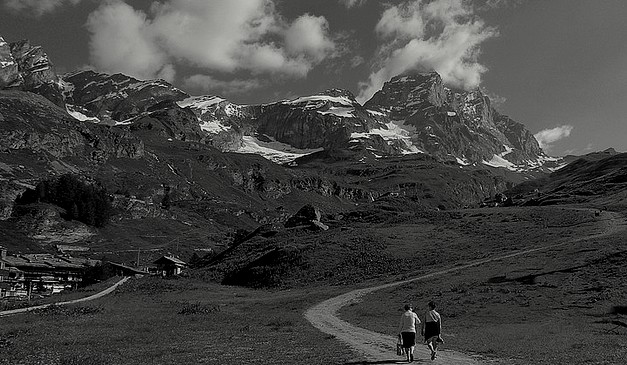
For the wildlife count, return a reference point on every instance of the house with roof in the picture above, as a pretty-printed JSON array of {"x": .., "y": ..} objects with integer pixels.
[
  {"x": 117, "y": 269},
  {"x": 169, "y": 266},
  {"x": 4, "y": 273},
  {"x": 23, "y": 274}
]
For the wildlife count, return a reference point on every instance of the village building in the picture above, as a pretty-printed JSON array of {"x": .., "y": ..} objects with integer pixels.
[
  {"x": 169, "y": 266},
  {"x": 116, "y": 269},
  {"x": 4, "y": 273},
  {"x": 23, "y": 274}
]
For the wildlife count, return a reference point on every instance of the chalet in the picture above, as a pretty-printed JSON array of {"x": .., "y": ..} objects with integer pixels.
[
  {"x": 116, "y": 269},
  {"x": 169, "y": 266},
  {"x": 4, "y": 273},
  {"x": 22, "y": 274}
]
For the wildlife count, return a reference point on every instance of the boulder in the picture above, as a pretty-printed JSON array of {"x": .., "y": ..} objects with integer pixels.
[{"x": 305, "y": 216}]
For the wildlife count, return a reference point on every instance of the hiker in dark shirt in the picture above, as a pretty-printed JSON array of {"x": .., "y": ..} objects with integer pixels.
[{"x": 431, "y": 329}]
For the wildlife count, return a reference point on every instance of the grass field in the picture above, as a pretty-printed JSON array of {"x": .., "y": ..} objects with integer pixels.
[
  {"x": 554, "y": 307},
  {"x": 157, "y": 321},
  {"x": 562, "y": 306}
]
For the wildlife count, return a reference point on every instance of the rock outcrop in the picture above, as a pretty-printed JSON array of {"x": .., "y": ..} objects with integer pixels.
[
  {"x": 27, "y": 67},
  {"x": 455, "y": 124},
  {"x": 9, "y": 73}
]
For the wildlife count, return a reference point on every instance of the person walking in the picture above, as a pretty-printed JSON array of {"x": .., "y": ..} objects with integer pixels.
[
  {"x": 407, "y": 330},
  {"x": 431, "y": 329}
]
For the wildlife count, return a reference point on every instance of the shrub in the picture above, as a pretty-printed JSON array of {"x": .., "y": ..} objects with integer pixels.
[{"x": 197, "y": 308}]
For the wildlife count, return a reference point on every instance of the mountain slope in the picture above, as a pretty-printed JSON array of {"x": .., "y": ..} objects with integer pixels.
[
  {"x": 454, "y": 124},
  {"x": 597, "y": 178}
]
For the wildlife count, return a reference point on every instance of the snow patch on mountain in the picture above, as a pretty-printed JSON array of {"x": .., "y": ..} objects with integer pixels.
[
  {"x": 462, "y": 161},
  {"x": 200, "y": 102},
  {"x": 340, "y": 112},
  {"x": 213, "y": 127},
  {"x": 395, "y": 131},
  {"x": 376, "y": 113},
  {"x": 498, "y": 161},
  {"x": 273, "y": 150},
  {"x": 76, "y": 113},
  {"x": 341, "y": 100}
]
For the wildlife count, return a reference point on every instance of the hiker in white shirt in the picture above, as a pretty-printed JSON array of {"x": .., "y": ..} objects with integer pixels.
[{"x": 407, "y": 330}]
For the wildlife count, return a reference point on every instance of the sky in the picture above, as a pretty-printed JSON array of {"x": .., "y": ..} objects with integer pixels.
[{"x": 557, "y": 66}]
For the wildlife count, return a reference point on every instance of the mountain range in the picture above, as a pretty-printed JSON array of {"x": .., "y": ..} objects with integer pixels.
[{"x": 228, "y": 166}]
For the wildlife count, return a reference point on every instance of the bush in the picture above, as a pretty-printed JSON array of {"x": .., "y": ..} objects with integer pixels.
[
  {"x": 89, "y": 204},
  {"x": 197, "y": 308},
  {"x": 69, "y": 311}
]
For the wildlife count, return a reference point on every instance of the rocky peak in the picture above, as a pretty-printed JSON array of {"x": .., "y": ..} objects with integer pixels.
[
  {"x": 406, "y": 95},
  {"x": 28, "y": 67},
  {"x": 340, "y": 93},
  {"x": 117, "y": 97},
  {"x": 9, "y": 73}
]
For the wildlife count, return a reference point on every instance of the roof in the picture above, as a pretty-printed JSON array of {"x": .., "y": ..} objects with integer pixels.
[
  {"x": 128, "y": 268},
  {"x": 171, "y": 259},
  {"x": 44, "y": 261},
  {"x": 64, "y": 248}
]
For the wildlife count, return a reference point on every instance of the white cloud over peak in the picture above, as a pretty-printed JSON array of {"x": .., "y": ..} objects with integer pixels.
[
  {"x": 549, "y": 136},
  {"x": 420, "y": 35},
  {"x": 309, "y": 35},
  {"x": 37, "y": 7},
  {"x": 210, "y": 84},
  {"x": 401, "y": 22},
  {"x": 218, "y": 36},
  {"x": 122, "y": 41},
  {"x": 351, "y": 3}
]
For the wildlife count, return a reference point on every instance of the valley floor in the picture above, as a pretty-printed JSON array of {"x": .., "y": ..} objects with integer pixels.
[{"x": 557, "y": 306}]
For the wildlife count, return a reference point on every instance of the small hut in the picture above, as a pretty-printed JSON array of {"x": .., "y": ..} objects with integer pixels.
[{"x": 169, "y": 266}]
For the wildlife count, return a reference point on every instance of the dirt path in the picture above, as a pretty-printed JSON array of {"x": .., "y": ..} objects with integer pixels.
[
  {"x": 91, "y": 297},
  {"x": 380, "y": 348}
]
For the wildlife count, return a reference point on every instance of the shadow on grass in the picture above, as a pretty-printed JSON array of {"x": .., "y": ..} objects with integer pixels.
[{"x": 395, "y": 361}]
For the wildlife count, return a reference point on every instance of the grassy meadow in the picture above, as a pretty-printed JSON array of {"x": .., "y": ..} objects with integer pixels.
[{"x": 549, "y": 307}]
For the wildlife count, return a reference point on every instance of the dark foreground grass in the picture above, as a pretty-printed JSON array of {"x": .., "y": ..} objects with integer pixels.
[
  {"x": 560, "y": 306},
  {"x": 513, "y": 311},
  {"x": 161, "y": 321}
]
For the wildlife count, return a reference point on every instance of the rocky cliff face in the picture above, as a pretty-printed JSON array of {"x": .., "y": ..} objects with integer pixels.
[
  {"x": 454, "y": 124},
  {"x": 324, "y": 120},
  {"x": 9, "y": 74},
  {"x": 27, "y": 67},
  {"x": 413, "y": 113},
  {"x": 31, "y": 122},
  {"x": 116, "y": 99}
]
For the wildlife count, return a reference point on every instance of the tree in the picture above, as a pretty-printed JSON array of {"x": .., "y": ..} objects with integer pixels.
[{"x": 87, "y": 203}]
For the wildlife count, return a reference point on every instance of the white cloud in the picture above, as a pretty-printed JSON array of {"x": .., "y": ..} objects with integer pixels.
[
  {"x": 309, "y": 35},
  {"x": 208, "y": 83},
  {"x": 357, "y": 61},
  {"x": 547, "y": 137},
  {"x": 401, "y": 22},
  {"x": 122, "y": 41},
  {"x": 441, "y": 35},
  {"x": 37, "y": 7},
  {"x": 224, "y": 36},
  {"x": 351, "y": 3}
]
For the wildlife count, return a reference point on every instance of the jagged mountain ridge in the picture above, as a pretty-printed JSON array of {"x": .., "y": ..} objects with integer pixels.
[
  {"x": 411, "y": 114},
  {"x": 455, "y": 124},
  {"x": 414, "y": 113}
]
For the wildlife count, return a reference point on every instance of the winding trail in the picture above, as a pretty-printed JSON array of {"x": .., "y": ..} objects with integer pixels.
[
  {"x": 85, "y": 299},
  {"x": 380, "y": 348}
]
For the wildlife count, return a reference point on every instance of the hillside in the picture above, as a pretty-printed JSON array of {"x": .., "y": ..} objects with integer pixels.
[
  {"x": 598, "y": 179},
  {"x": 223, "y": 167}
]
